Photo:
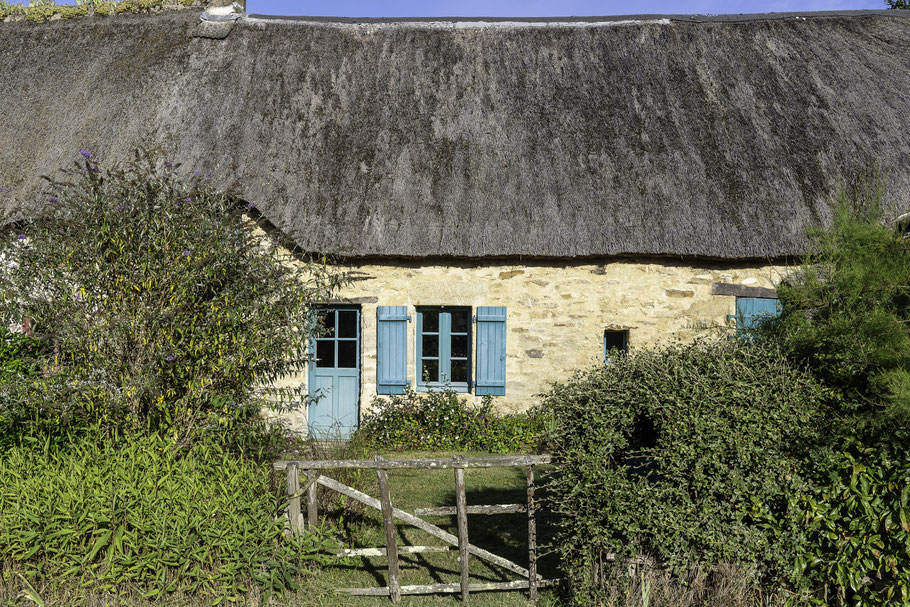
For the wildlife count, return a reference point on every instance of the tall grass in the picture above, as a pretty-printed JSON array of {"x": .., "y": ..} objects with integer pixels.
[
  {"x": 330, "y": 502},
  {"x": 725, "y": 585},
  {"x": 148, "y": 514}
]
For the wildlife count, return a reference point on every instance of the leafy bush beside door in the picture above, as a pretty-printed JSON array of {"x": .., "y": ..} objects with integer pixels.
[{"x": 169, "y": 307}]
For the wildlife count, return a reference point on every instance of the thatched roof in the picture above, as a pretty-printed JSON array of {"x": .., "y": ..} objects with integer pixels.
[{"x": 686, "y": 137}]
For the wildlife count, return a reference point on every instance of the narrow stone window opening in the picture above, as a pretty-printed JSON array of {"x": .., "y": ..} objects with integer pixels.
[{"x": 616, "y": 342}]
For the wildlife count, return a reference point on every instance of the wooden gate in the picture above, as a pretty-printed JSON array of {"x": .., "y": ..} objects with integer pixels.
[{"x": 312, "y": 470}]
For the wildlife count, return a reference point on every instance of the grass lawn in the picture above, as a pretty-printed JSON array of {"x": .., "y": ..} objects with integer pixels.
[{"x": 504, "y": 535}]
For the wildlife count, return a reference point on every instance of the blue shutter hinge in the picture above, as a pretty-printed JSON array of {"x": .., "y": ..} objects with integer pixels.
[
  {"x": 409, "y": 318},
  {"x": 474, "y": 319}
]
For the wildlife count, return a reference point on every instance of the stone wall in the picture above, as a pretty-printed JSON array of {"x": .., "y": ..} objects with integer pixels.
[{"x": 557, "y": 312}]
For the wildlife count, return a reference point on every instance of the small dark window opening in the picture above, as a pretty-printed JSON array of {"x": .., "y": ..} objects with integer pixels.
[{"x": 615, "y": 340}]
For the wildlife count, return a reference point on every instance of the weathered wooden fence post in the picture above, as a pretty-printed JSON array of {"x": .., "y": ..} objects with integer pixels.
[
  {"x": 461, "y": 511},
  {"x": 312, "y": 512},
  {"x": 391, "y": 544},
  {"x": 532, "y": 537},
  {"x": 294, "y": 503}
]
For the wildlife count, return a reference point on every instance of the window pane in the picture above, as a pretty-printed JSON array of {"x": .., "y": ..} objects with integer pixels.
[
  {"x": 430, "y": 321},
  {"x": 459, "y": 371},
  {"x": 327, "y": 320},
  {"x": 430, "y": 345},
  {"x": 460, "y": 321},
  {"x": 347, "y": 354},
  {"x": 429, "y": 371},
  {"x": 347, "y": 323},
  {"x": 325, "y": 353},
  {"x": 460, "y": 346}
]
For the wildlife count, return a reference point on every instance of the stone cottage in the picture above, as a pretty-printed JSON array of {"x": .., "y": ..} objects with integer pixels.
[{"x": 514, "y": 198}]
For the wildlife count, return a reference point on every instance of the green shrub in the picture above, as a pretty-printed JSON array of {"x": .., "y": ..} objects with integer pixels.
[
  {"x": 442, "y": 421},
  {"x": 858, "y": 521},
  {"x": 846, "y": 311},
  {"x": 846, "y": 317},
  {"x": 21, "y": 356},
  {"x": 169, "y": 307},
  {"x": 146, "y": 513},
  {"x": 669, "y": 453},
  {"x": 23, "y": 361}
]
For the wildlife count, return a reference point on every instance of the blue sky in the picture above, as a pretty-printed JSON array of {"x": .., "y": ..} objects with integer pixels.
[{"x": 542, "y": 8}]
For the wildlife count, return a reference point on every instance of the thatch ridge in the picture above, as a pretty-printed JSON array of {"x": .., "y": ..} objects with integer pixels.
[
  {"x": 706, "y": 138},
  {"x": 592, "y": 19}
]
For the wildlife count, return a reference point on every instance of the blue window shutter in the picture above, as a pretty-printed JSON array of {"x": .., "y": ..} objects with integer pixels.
[
  {"x": 751, "y": 310},
  {"x": 491, "y": 351},
  {"x": 391, "y": 349}
]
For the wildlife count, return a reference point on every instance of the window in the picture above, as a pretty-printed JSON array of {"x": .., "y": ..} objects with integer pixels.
[
  {"x": 337, "y": 346},
  {"x": 615, "y": 340},
  {"x": 444, "y": 348},
  {"x": 451, "y": 345}
]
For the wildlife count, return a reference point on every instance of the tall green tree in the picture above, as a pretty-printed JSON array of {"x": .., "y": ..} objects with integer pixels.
[
  {"x": 846, "y": 312},
  {"x": 898, "y": 4},
  {"x": 164, "y": 303}
]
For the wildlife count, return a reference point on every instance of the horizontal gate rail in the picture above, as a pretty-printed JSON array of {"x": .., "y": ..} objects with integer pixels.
[
  {"x": 445, "y": 588},
  {"x": 495, "y": 461},
  {"x": 346, "y": 552},
  {"x": 494, "y": 509}
]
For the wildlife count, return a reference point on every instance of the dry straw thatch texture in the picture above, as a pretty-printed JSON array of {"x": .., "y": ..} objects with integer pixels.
[{"x": 711, "y": 138}]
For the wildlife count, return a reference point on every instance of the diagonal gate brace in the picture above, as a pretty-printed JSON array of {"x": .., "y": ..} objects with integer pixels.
[{"x": 423, "y": 525}]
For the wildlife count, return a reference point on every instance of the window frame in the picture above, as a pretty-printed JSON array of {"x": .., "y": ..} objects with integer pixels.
[
  {"x": 625, "y": 343},
  {"x": 313, "y": 348},
  {"x": 444, "y": 356}
]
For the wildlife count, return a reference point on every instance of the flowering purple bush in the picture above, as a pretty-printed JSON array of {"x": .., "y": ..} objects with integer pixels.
[{"x": 160, "y": 311}]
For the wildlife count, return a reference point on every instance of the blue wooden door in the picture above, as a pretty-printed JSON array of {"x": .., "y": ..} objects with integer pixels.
[{"x": 334, "y": 377}]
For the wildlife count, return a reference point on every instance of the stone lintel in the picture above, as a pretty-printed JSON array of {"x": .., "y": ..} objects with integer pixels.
[
  {"x": 354, "y": 300},
  {"x": 723, "y": 288}
]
